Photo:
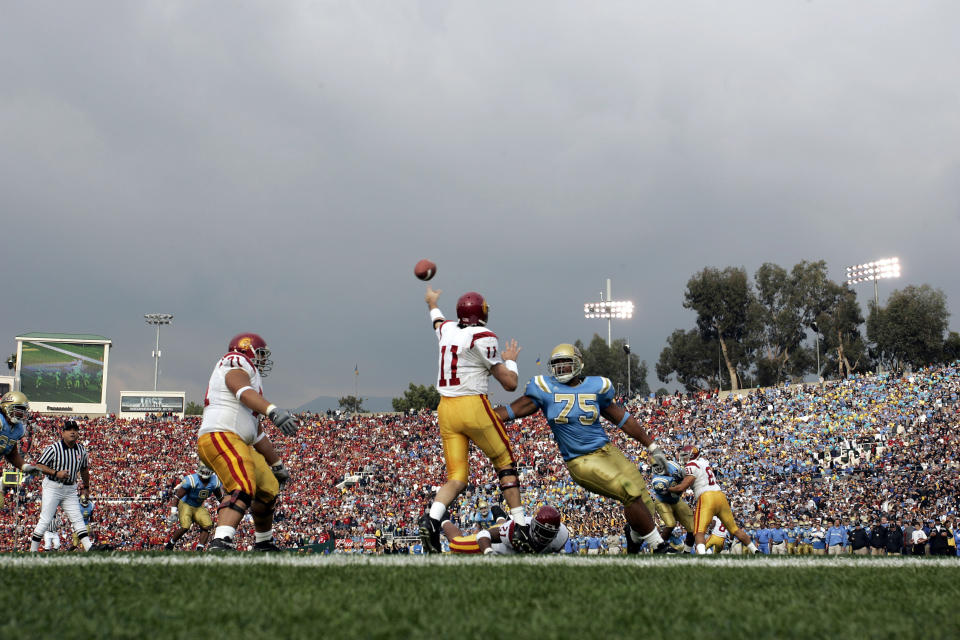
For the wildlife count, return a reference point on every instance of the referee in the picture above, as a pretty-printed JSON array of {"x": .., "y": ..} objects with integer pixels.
[{"x": 61, "y": 463}]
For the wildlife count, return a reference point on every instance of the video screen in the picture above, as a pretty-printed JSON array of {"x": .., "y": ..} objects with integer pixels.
[
  {"x": 151, "y": 404},
  {"x": 62, "y": 372}
]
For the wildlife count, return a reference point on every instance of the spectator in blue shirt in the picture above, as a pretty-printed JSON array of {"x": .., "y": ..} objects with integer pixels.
[
  {"x": 778, "y": 539},
  {"x": 763, "y": 539},
  {"x": 836, "y": 538}
]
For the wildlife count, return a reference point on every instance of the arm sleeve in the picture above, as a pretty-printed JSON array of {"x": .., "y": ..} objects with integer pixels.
[
  {"x": 46, "y": 457},
  {"x": 534, "y": 392},
  {"x": 488, "y": 348},
  {"x": 606, "y": 394}
]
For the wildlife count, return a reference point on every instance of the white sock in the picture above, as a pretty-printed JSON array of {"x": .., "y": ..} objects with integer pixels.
[
  {"x": 264, "y": 536},
  {"x": 701, "y": 549},
  {"x": 34, "y": 545},
  {"x": 752, "y": 548},
  {"x": 654, "y": 539},
  {"x": 85, "y": 541},
  {"x": 518, "y": 515},
  {"x": 437, "y": 509},
  {"x": 225, "y": 532}
]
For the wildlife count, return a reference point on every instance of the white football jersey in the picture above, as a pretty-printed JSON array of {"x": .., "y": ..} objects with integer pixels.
[
  {"x": 703, "y": 478},
  {"x": 466, "y": 356},
  {"x": 717, "y": 528},
  {"x": 505, "y": 546},
  {"x": 222, "y": 411}
]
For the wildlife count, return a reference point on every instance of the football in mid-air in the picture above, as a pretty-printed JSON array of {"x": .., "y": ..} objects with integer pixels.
[{"x": 425, "y": 269}]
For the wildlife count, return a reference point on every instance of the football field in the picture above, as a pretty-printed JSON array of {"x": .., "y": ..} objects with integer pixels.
[{"x": 287, "y": 596}]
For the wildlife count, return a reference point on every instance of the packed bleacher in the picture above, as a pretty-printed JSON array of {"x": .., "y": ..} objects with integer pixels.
[{"x": 857, "y": 450}]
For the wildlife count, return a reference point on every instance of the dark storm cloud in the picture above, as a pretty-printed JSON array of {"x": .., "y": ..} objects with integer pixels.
[{"x": 281, "y": 166}]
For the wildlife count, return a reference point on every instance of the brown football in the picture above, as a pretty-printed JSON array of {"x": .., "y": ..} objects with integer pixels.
[{"x": 425, "y": 269}]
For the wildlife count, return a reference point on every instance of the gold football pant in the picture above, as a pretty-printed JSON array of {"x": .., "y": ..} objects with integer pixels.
[
  {"x": 239, "y": 466},
  {"x": 607, "y": 472},
  {"x": 188, "y": 515},
  {"x": 713, "y": 503},
  {"x": 471, "y": 418},
  {"x": 715, "y": 543},
  {"x": 671, "y": 514}
]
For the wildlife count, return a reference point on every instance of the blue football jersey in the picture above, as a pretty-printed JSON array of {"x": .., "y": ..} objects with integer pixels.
[
  {"x": 663, "y": 480},
  {"x": 573, "y": 413},
  {"x": 197, "y": 491},
  {"x": 9, "y": 435},
  {"x": 86, "y": 511}
]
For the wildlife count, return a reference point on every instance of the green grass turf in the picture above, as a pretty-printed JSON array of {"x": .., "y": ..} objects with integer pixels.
[{"x": 605, "y": 598}]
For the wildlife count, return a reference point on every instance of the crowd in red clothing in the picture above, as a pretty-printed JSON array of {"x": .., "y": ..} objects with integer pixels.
[{"x": 865, "y": 445}]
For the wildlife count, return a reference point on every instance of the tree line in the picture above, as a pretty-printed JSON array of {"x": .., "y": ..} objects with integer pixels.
[{"x": 775, "y": 327}]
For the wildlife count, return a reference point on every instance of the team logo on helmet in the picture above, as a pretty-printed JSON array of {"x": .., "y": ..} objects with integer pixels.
[{"x": 244, "y": 343}]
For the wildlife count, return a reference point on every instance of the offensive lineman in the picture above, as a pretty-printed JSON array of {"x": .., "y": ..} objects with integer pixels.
[
  {"x": 188, "y": 507},
  {"x": 543, "y": 534},
  {"x": 709, "y": 497},
  {"x": 572, "y": 405},
  {"x": 233, "y": 443},
  {"x": 469, "y": 355}
]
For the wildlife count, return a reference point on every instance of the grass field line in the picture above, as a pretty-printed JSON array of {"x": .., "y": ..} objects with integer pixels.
[{"x": 290, "y": 560}]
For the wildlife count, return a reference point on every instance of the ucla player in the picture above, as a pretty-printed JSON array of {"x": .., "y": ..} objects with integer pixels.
[
  {"x": 188, "y": 506},
  {"x": 86, "y": 512},
  {"x": 709, "y": 497},
  {"x": 469, "y": 355},
  {"x": 670, "y": 506},
  {"x": 573, "y": 405},
  {"x": 14, "y": 408}
]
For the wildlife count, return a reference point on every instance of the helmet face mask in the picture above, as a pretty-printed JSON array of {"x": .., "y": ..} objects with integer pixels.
[
  {"x": 566, "y": 362},
  {"x": 204, "y": 472},
  {"x": 472, "y": 309},
  {"x": 15, "y": 406},
  {"x": 545, "y": 525},
  {"x": 255, "y": 348}
]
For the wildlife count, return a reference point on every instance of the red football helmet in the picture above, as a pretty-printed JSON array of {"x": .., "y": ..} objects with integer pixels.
[
  {"x": 255, "y": 348},
  {"x": 688, "y": 453},
  {"x": 472, "y": 309},
  {"x": 545, "y": 525}
]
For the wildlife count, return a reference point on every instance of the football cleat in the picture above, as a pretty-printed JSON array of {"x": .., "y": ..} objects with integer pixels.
[
  {"x": 632, "y": 547},
  {"x": 266, "y": 546},
  {"x": 221, "y": 544},
  {"x": 168, "y": 546},
  {"x": 665, "y": 547},
  {"x": 430, "y": 534},
  {"x": 498, "y": 513}
]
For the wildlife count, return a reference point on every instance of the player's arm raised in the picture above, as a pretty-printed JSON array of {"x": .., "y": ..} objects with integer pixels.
[
  {"x": 238, "y": 381},
  {"x": 506, "y": 373},
  {"x": 431, "y": 297},
  {"x": 632, "y": 427}
]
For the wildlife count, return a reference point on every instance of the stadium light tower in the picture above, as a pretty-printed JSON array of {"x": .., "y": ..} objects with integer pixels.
[
  {"x": 876, "y": 270},
  {"x": 609, "y": 309},
  {"x": 157, "y": 319}
]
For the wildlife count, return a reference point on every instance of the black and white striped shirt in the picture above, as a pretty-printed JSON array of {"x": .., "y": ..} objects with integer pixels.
[{"x": 59, "y": 457}]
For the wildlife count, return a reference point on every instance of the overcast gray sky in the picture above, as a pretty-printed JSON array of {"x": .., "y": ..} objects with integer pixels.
[{"x": 280, "y": 166}]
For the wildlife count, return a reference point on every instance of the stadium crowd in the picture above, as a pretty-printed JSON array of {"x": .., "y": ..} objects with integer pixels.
[{"x": 862, "y": 453}]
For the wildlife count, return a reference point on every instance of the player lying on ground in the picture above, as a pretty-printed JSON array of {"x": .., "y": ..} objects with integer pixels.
[
  {"x": 572, "y": 405},
  {"x": 543, "y": 534}
]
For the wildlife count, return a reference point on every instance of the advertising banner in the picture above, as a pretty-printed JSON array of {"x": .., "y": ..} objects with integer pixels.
[{"x": 151, "y": 404}]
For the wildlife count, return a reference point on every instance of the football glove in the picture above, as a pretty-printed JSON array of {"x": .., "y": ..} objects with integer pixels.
[
  {"x": 29, "y": 469},
  {"x": 283, "y": 420},
  {"x": 658, "y": 461},
  {"x": 280, "y": 472},
  {"x": 488, "y": 551}
]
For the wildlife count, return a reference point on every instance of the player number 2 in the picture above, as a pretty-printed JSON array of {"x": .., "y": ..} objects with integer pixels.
[{"x": 453, "y": 379}]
